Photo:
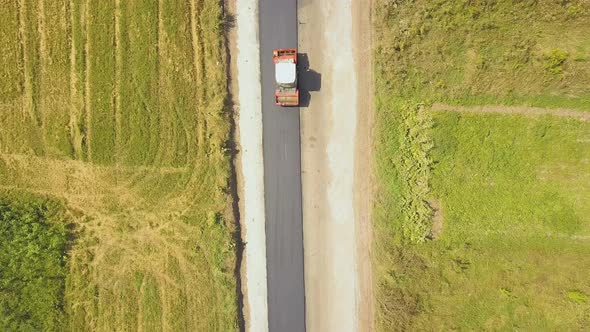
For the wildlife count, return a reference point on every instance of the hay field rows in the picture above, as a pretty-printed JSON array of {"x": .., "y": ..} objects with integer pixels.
[{"x": 117, "y": 109}]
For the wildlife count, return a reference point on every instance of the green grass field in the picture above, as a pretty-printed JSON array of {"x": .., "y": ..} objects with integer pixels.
[
  {"x": 116, "y": 109},
  {"x": 482, "y": 221}
]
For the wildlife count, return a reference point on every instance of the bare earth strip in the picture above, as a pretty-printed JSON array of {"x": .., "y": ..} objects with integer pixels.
[
  {"x": 329, "y": 165},
  {"x": 363, "y": 175},
  {"x": 528, "y": 111},
  {"x": 87, "y": 110},
  {"x": 43, "y": 62},
  {"x": 76, "y": 98},
  {"x": 28, "y": 85},
  {"x": 117, "y": 93}
]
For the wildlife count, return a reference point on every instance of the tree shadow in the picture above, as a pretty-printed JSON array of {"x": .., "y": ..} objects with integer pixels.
[{"x": 309, "y": 80}]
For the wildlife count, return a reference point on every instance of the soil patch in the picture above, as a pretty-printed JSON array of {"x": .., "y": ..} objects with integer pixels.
[{"x": 437, "y": 219}]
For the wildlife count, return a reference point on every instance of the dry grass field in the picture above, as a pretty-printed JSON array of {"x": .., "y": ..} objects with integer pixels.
[{"x": 117, "y": 109}]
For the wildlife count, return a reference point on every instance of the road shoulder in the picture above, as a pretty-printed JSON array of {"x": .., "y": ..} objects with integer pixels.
[
  {"x": 246, "y": 90},
  {"x": 363, "y": 169}
]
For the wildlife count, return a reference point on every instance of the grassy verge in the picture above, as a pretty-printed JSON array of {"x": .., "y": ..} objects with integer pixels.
[
  {"x": 481, "y": 220},
  {"x": 498, "y": 52},
  {"x": 119, "y": 112}
]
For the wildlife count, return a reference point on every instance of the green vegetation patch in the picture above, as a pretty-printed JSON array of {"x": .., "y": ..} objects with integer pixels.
[
  {"x": 482, "y": 221},
  {"x": 34, "y": 238},
  {"x": 513, "y": 198},
  {"x": 512, "y": 175},
  {"x": 406, "y": 147}
]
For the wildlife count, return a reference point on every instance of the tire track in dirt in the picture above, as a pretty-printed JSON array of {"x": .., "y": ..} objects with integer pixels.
[
  {"x": 524, "y": 110},
  {"x": 198, "y": 68},
  {"x": 75, "y": 98},
  {"x": 28, "y": 96},
  {"x": 140, "y": 314},
  {"x": 43, "y": 60},
  {"x": 164, "y": 118},
  {"x": 117, "y": 92},
  {"x": 156, "y": 114},
  {"x": 30, "y": 105},
  {"x": 87, "y": 110}
]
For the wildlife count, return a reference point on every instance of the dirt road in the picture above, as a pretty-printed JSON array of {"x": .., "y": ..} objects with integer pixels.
[
  {"x": 524, "y": 110},
  {"x": 336, "y": 295}
]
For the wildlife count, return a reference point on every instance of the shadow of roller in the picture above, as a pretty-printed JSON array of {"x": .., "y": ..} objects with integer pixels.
[{"x": 309, "y": 80}]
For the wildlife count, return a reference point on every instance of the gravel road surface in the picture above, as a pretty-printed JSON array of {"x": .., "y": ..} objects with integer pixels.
[{"x": 327, "y": 33}]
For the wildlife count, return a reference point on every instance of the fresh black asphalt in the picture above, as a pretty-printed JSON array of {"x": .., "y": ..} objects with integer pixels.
[{"x": 282, "y": 176}]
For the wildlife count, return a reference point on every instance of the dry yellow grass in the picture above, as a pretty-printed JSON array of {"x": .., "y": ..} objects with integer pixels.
[{"x": 117, "y": 109}]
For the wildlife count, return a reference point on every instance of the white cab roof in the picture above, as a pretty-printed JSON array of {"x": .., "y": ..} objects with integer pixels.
[{"x": 285, "y": 72}]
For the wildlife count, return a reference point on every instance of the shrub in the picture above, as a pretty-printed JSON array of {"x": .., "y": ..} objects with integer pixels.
[
  {"x": 555, "y": 60},
  {"x": 414, "y": 166}
]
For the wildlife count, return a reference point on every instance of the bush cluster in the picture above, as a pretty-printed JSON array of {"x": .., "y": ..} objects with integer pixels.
[
  {"x": 33, "y": 257},
  {"x": 414, "y": 166}
]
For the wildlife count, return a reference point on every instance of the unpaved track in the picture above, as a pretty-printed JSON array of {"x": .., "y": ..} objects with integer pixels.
[
  {"x": 331, "y": 179},
  {"x": 527, "y": 111},
  {"x": 363, "y": 185}
]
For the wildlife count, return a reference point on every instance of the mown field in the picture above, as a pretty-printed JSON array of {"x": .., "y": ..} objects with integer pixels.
[
  {"x": 114, "y": 111},
  {"x": 482, "y": 221}
]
